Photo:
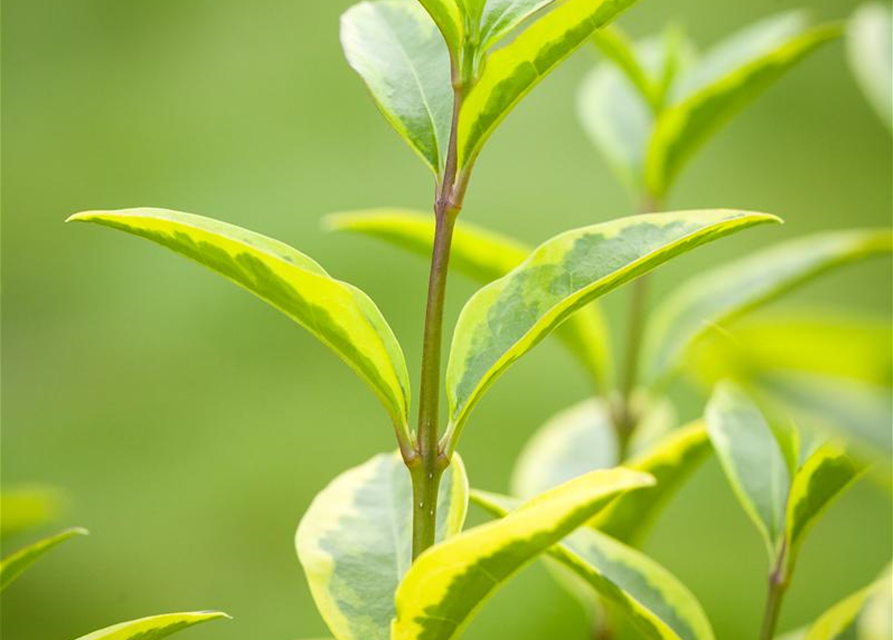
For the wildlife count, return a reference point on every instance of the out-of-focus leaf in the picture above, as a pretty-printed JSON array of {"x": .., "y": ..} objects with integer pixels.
[
  {"x": 450, "y": 581},
  {"x": 508, "y": 317},
  {"x": 27, "y": 507},
  {"x": 355, "y": 542},
  {"x": 841, "y": 622},
  {"x": 751, "y": 459},
  {"x": 395, "y": 47},
  {"x": 616, "y": 46},
  {"x": 651, "y": 598},
  {"x": 513, "y": 70},
  {"x": 155, "y": 627},
  {"x": 870, "y": 52},
  {"x": 484, "y": 256},
  {"x": 13, "y": 565},
  {"x": 671, "y": 461},
  {"x": 876, "y": 618},
  {"x": 724, "y": 81},
  {"x": 341, "y": 316},
  {"x": 826, "y": 474},
  {"x": 738, "y": 287}
]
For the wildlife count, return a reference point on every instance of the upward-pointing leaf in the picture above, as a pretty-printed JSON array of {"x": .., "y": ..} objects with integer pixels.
[
  {"x": 752, "y": 460},
  {"x": 355, "y": 542},
  {"x": 512, "y": 71},
  {"x": 724, "y": 81},
  {"x": 13, "y": 565},
  {"x": 396, "y": 49},
  {"x": 500, "y": 17},
  {"x": 740, "y": 286},
  {"x": 843, "y": 620},
  {"x": 483, "y": 255},
  {"x": 510, "y": 316},
  {"x": 450, "y": 581},
  {"x": 651, "y": 598},
  {"x": 154, "y": 627},
  {"x": 340, "y": 315},
  {"x": 447, "y": 15},
  {"x": 870, "y": 49}
]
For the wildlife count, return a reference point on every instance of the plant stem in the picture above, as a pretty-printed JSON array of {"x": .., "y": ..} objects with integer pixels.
[
  {"x": 778, "y": 584},
  {"x": 427, "y": 468}
]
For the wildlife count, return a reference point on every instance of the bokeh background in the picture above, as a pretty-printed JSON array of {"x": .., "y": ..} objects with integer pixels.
[{"x": 190, "y": 425}]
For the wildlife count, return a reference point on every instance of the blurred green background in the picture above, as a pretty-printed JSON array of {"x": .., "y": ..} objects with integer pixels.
[{"x": 190, "y": 425}]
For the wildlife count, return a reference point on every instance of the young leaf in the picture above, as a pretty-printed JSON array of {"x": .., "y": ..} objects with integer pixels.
[
  {"x": 510, "y": 316},
  {"x": 338, "y": 314},
  {"x": 154, "y": 627},
  {"x": 13, "y": 565},
  {"x": 500, "y": 17},
  {"x": 447, "y": 15},
  {"x": 738, "y": 287},
  {"x": 355, "y": 542},
  {"x": 870, "y": 52},
  {"x": 671, "y": 461},
  {"x": 841, "y": 621},
  {"x": 451, "y": 580},
  {"x": 513, "y": 70},
  {"x": 826, "y": 474},
  {"x": 639, "y": 64},
  {"x": 724, "y": 81},
  {"x": 649, "y": 596},
  {"x": 484, "y": 256},
  {"x": 394, "y": 46},
  {"x": 751, "y": 459}
]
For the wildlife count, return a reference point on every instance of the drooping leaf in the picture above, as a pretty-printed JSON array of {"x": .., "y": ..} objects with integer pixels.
[
  {"x": 826, "y": 475},
  {"x": 870, "y": 52},
  {"x": 395, "y": 47},
  {"x": 671, "y": 461},
  {"x": 513, "y": 70},
  {"x": 27, "y": 507},
  {"x": 154, "y": 627},
  {"x": 740, "y": 286},
  {"x": 338, "y": 314},
  {"x": 751, "y": 459},
  {"x": 13, "y": 565},
  {"x": 510, "y": 316},
  {"x": 842, "y": 621},
  {"x": 651, "y": 598},
  {"x": 355, "y": 542},
  {"x": 484, "y": 256},
  {"x": 451, "y": 580},
  {"x": 724, "y": 81}
]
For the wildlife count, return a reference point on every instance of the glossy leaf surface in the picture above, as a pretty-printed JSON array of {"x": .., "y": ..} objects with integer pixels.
[
  {"x": 510, "y": 316},
  {"x": 500, "y": 17},
  {"x": 395, "y": 47},
  {"x": 751, "y": 459},
  {"x": 870, "y": 52},
  {"x": 355, "y": 542},
  {"x": 13, "y": 565},
  {"x": 338, "y": 314},
  {"x": 651, "y": 598},
  {"x": 735, "y": 288},
  {"x": 154, "y": 627},
  {"x": 450, "y": 581}
]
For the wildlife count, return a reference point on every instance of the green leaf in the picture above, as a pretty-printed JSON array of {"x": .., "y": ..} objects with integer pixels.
[
  {"x": 671, "y": 461},
  {"x": 824, "y": 477},
  {"x": 447, "y": 15},
  {"x": 751, "y": 459},
  {"x": 725, "y": 80},
  {"x": 513, "y": 70},
  {"x": 338, "y": 314},
  {"x": 395, "y": 47},
  {"x": 841, "y": 621},
  {"x": 27, "y": 507},
  {"x": 450, "y": 581},
  {"x": 640, "y": 63},
  {"x": 154, "y": 627},
  {"x": 510, "y": 316},
  {"x": 740, "y": 286},
  {"x": 13, "y": 565},
  {"x": 484, "y": 256},
  {"x": 355, "y": 542},
  {"x": 870, "y": 53},
  {"x": 651, "y": 598},
  {"x": 500, "y": 17}
]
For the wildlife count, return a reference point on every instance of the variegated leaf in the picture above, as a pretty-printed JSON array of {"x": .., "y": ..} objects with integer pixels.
[{"x": 154, "y": 627}]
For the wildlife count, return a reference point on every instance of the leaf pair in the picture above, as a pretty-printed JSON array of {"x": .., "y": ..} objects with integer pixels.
[
  {"x": 782, "y": 496},
  {"x": 654, "y": 104},
  {"x": 355, "y": 545}
]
